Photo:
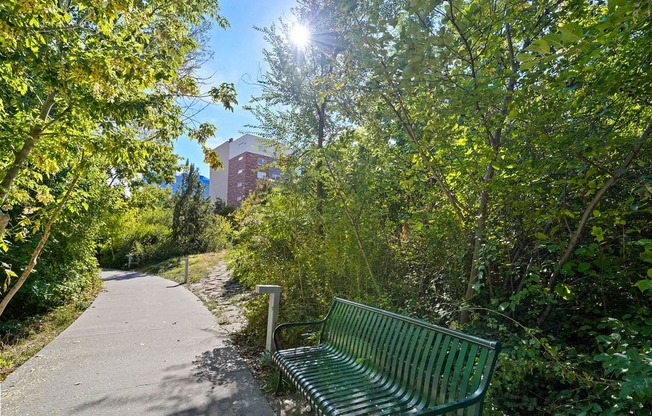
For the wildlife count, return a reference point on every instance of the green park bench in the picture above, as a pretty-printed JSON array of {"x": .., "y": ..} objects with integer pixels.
[{"x": 373, "y": 362}]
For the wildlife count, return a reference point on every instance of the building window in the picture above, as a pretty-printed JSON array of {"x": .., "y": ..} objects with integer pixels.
[
  {"x": 239, "y": 185},
  {"x": 239, "y": 199},
  {"x": 240, "y": 158},
  {"x": 239, "y": 171},
  {"x": 276, "y": 176},
  {"x": 261, "y": 161},
  {"x": 262, "y": 175}
]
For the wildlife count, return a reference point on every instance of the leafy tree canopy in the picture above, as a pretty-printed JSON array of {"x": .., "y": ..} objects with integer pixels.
[{"x": 92, "y": 83}]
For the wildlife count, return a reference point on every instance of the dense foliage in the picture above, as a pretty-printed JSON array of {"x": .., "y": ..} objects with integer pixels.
[
  {"x": 484, "y": 164},
  {"x": 153, "y": 224},
  {"x": 67, "y": 266},
  {"x": 138, "y": 226}
]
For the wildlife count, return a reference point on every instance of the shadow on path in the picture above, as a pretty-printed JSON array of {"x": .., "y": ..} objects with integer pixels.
[
  {"x": 110, "y": 275},
  {"x": 218, "y": 367},
  {"x": 217, "y": 381}
]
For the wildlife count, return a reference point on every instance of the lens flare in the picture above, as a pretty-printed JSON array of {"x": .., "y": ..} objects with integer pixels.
[{"x": 300, "y": 35}]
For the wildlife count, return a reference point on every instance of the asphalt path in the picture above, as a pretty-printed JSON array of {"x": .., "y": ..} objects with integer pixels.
[{"x": 146, "y": 346}]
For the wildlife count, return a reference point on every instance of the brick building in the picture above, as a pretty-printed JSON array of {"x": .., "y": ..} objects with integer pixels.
[{"x": 245, "y": 161}]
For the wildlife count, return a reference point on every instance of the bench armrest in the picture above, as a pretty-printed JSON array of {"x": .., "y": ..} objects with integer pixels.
[{"x": 278, "y": 329}]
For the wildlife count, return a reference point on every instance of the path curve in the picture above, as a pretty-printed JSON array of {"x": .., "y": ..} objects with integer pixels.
[{"x": 146, "y": 346}]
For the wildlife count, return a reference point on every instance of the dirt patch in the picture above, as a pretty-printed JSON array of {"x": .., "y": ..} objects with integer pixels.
[{"x": 225, "y": 297}]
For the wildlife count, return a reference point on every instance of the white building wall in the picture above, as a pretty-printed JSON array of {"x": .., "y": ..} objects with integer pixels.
[
  {"x": 250, "y": 143},
  {"x": 219, "y": 179}
]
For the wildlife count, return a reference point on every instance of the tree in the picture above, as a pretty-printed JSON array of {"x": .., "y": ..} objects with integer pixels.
[
  {"x": 515, "y": 186},
  {"x": 196, "y": 228},
  {"x": 300, "y": 83},
  {"x": 138, "y": 225},
  {"x": 67, "y": 264},
  {"x": 100, "y": 81}
]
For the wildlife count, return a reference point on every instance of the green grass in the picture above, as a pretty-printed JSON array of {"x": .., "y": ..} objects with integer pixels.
[
  {"x": 174, "y": 268},
  {"x": 23, "y": 338}
]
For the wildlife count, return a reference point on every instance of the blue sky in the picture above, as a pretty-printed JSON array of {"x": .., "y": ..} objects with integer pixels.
[{"x": 237, "y": 59}]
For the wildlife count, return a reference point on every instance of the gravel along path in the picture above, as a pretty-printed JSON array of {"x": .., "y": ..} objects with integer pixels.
[{"x": 225, "y": 297}]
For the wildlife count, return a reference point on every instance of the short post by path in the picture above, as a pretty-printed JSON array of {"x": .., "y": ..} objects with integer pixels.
[
  {"x": 185, "y": 276},
  {"x": 272, "y": 313}
]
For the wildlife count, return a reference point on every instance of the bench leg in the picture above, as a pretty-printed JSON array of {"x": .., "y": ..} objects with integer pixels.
[{"x": 279, "y": 384}]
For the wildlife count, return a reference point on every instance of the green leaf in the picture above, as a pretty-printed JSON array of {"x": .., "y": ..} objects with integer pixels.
[
  {"x": 563, "y": 290},
  {"x": 602, "y": 357},
  {"x": 503, "y": 306},
  {"x": 539, "y": 46},
  {"x": 525, "y": 57},
  {"x": 598, "y": 233},
  {"x": 571, "y": 33},
  {"x": 528, "y": 65},
  {"x": 645, "y": 284},
  {"x": 554, "y": 40},
  {"x": 567, "y": 269}
]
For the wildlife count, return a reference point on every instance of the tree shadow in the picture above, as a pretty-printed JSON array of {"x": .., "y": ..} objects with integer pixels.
[
  {"x": 117, "y": 275},
  {"x": 233, "y": 287},
  {"x": 218, "y": 367},
  {"x": 217, "y": 382}
]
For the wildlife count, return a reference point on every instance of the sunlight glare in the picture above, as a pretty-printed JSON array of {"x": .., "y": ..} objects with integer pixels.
[{"x": 300, "y": 35}]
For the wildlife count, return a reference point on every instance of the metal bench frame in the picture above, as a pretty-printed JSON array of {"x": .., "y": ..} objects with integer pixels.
[{"x": 374, "y": 362}]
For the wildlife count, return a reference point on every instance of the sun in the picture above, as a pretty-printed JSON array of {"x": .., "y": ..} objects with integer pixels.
[{"x": 300, "y": 35}]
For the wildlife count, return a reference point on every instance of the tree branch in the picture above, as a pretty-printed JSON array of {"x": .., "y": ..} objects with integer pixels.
[
  {"x": 575, "y": 237},
  {"x": 457, "y": 206},
  {"x": 20, "y": 156},
  {"x": 44, "y": 238}
]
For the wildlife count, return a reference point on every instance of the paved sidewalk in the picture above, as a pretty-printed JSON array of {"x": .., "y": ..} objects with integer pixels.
[{"x": 146, "y": 346}]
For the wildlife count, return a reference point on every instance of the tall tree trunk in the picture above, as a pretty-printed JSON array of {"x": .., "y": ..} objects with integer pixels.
[
  {"x": 494, "y": 140},
  {"x": 321, "y": 194},
  {"x": 478, "y": 238}
]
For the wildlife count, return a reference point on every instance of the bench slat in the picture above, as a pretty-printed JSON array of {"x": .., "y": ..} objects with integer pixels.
[{"x": 374, "y": 362}]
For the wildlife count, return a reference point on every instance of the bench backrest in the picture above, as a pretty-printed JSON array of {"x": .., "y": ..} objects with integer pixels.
[{"x": 435, "y": 365}]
